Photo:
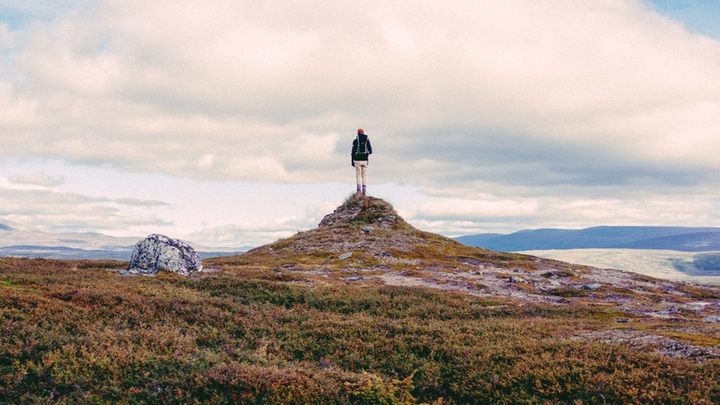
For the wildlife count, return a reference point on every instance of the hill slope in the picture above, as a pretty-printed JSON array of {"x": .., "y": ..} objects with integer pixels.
[{"x": 384, "y": 249}]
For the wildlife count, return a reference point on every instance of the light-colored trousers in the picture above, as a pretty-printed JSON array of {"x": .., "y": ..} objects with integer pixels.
[{"x": 361, "y": 167}]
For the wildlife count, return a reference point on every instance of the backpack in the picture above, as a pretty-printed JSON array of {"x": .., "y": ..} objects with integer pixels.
[{"x": 362, "y": 150}]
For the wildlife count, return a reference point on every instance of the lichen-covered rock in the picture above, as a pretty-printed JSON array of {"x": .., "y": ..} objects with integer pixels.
[{"x": 159, "y": 252}]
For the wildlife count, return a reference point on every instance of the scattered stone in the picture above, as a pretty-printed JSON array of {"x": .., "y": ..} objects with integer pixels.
[
  {"x": 354, "y": 278},
  {"x": 712, "y": 318},
  {"x": 676, "y": 292},
  {"x": 618, "y": 298},
  {"x": 661, "y": 344},
  {"x": 558, "y": 274},
  {"x": 367, "y": 229},
  {"x": 345, "y": 256},
  {"x": 665, "y": 313},
  {"x": 472, "y": 262},
  {"x": 622, "y": 320},
  {"x": 591, "y": 286},
  {"x": 159, "y": 252},
  {"x": 668, "y": 311},
  {"x": 514, "y": 279},
  {"x": 697, "y": 306}
]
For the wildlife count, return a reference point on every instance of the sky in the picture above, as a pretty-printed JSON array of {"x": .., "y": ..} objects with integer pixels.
[{"x": 229, "y": 123}]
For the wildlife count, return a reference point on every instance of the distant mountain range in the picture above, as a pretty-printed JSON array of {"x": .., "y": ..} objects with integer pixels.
[
  {"x": 61, "y": 252},
  {"x": 687, "y": 239},
  {"x": 20, "y": 241}
]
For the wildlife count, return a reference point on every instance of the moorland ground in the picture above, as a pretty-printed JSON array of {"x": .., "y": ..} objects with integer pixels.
[{"x": 292, "y": 323}]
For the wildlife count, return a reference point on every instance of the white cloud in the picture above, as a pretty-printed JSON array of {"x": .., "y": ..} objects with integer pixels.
[
  {"x": 490, "y": 207},
  {"x": 536, "y": 104},
  {"x": 5, "y": 36},
  {"x": 37, "y": 179},
  {"x": 236, "y": 236},
  {"x": 492, "y": 214},
  {"x": 49, "y": 210},
  {"x": 18, "y": 112},
  {"x": 205, "y": 161},
  {"x": 269, "y": 84}
]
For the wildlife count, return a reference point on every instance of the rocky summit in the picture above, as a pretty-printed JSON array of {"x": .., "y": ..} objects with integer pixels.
[
  {"x": 359, "y": 209},
  {"x": 159, "y": 252},
  {"x": 365, "y": 242}
]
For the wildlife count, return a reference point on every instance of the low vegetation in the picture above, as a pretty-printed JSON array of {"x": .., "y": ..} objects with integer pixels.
[
  {"x": 314, "y": 318},
  {"x": 77, "y": 331}
]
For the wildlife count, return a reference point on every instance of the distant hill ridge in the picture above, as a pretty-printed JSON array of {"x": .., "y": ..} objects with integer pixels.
[
  {"x": 22, "y": 241},
  {"x": 687, "y": 239}
]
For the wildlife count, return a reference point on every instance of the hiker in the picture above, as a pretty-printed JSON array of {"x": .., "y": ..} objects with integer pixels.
[{"x": 361, "y": 149}]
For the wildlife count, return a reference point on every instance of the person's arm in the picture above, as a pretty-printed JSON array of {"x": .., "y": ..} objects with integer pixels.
[
  {"x": 369, "y": 147},
  {"x": 352, "y": 152}
]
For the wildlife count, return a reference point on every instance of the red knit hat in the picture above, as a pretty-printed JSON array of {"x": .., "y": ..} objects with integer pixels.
[{"x": 361, "y": 131}]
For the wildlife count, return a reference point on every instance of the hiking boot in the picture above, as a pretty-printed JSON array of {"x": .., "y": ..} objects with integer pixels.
[{"x": 364, "y": 190}]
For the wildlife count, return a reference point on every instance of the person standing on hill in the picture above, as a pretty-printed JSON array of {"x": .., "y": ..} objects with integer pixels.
[{"x": 361, "y": 150}]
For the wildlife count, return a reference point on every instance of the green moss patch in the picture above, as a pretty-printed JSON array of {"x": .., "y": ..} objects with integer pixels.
[{"x": 7, "y": 284}]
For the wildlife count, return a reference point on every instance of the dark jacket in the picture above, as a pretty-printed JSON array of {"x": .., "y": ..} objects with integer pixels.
[{"x": 361, "y": 148}]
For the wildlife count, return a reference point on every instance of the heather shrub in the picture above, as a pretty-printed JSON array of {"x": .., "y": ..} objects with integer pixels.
[
  {"x": 374, "y": 391},
  {"x": 74, "y": 332}
]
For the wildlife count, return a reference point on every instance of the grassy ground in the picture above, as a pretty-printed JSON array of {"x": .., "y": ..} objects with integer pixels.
[{"x": 72, "y": 331}]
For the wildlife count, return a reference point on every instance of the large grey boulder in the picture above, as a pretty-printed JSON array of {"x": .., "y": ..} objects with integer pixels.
[{"x": 158, "y": 252}]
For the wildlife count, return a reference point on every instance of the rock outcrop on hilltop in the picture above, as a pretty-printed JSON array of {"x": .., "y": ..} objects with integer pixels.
[
  {"x": 159, "y": 252},
  {"x": 359, "y": 209},
  {"x": 368, "y": 227},
  {"x": 365, "y": 241}
]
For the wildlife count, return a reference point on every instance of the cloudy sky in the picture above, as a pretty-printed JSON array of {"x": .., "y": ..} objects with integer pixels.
[{"x": 229, "y": 122}]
